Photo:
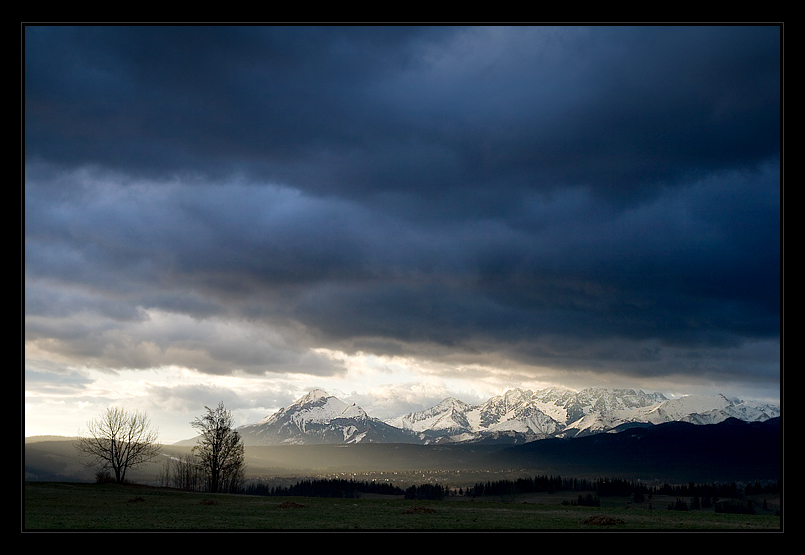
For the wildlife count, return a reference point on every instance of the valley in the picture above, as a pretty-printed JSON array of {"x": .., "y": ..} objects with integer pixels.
[
  {"x": 732, "y": 450},
  {"x": 594, "y": 432}
]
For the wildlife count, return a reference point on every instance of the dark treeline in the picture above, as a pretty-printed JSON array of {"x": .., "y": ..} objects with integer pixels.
[
  {"x": 721, "y": 496},
  {"x": 615, "y": 487},
  {"x": 537, "y": 484},
  {"x": 731, "y": 489},
  {"x": 323, "y": 488},
  {"x": 551, "y": 484},
  {"x": 426, "y": 491},
  {"x": 345, "y": 488}
]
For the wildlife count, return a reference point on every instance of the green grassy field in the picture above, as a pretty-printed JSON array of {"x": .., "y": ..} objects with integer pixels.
[{"x": 73, "y": 506}]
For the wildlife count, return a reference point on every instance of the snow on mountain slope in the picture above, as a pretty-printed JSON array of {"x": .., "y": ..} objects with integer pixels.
[
  {"x": 561, "y": 411},
  {"x": 710, "y": 409},
  {"x": 553, "y": 402},
  {"x": 696, "y": 409},
  {"x": 318, "y": 418},
  {"x": 753, "y": 411},
  {"x": 316, "y": 407},
  {"x": 516, "y": 416},
  {"x": 607, "y": 401},
  {"x": 683, "y": 407},
  {"x": 515, "y": 411},
  {"x": 528, "y": 420},
  {"x": 447, "y": 418}
]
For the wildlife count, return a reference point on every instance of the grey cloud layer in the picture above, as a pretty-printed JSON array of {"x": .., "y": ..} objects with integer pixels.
[
  {"x": 367, "y": 110},
  {"x": 573, "y": 197}
]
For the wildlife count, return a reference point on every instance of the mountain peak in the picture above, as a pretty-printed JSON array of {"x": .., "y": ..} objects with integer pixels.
[
  {"x": 318, "y": 418},
  {"x": 313, "y": 395},
  {"x": 451, "y": 403}
]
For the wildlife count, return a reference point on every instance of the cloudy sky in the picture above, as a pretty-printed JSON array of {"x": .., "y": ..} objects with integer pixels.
[{"x": 395, "y": 215}]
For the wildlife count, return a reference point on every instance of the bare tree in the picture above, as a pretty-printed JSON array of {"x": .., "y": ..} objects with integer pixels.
[
  {"x": 183, "y": 473},
  {"x": 220, "y": 450},
  {"x": 118, "y": 440}
]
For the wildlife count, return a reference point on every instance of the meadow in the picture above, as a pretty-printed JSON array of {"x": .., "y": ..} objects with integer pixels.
[{"x": 80, "y": 506}]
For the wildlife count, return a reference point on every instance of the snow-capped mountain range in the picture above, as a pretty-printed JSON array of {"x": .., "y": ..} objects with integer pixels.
[{"x": 517, "y": 416}]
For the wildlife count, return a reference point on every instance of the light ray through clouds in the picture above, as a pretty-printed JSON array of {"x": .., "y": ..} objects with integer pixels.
[{"x": 396, "y": 215}]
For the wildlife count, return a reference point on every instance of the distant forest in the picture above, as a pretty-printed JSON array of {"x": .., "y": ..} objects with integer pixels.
[
  {"x": 323, "y": 488},
  {"x": 346, "y": 488},
  {"x": 703, "y": 495},
  {"x": 616, "y": 487}
]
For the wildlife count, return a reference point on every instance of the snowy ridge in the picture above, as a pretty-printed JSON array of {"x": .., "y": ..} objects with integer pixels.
[
  {"x": 696, "y": 409},
  {"x": 517, "y": 416},
  {"x": 317, "y": 407},
  {"x": 515, "y": 411},
  {"x": 544, "y": 413},
  {"x": 700, "y": 409},
  {"x": 608, "y": 402},
  {"x": 448, "y": 417},
  {"x": 684, "y": 407},
  {"x": 320, "y": 418}
]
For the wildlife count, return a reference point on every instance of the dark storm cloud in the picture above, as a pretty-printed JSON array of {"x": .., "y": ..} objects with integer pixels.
[
  {"x": 573, "y": 196},
  {"x": 367, "y": 110},
  {"x": 157, "y": 99}
]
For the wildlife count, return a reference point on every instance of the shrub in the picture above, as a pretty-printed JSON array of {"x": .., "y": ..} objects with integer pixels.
[{"x": 104, "y": 477}]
